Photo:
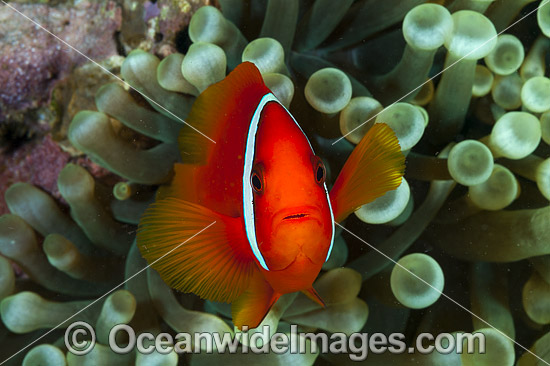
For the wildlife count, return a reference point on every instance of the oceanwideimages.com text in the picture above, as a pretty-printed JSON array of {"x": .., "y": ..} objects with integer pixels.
[{"x": 80, "y": 339}]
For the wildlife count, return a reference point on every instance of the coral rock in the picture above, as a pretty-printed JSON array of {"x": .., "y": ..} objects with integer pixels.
[{"x": 32, "y": 60}]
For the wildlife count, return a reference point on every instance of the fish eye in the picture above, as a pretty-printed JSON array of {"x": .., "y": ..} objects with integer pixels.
[
  {"x": 256, "y": 182},
  {"x": 320, "y": 172}
]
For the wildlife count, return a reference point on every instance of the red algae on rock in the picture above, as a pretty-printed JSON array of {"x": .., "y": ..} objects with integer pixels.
[{"x": 38, "y": 163}]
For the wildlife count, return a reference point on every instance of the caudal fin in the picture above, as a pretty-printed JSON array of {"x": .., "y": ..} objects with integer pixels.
[{"x": 375, "y": 166}]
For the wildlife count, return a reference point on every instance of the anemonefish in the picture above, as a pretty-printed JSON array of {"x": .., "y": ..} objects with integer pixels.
[{"x": 264, "y": 189}]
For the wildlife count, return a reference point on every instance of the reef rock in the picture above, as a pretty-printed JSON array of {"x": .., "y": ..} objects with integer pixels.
[{"x": 32, "y": 61}]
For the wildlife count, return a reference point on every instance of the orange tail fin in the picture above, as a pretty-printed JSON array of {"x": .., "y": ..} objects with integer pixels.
[{"x": 373, "y": 168}]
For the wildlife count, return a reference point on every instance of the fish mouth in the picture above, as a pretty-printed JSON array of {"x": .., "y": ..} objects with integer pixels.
[{"x": 295, "y": 216}]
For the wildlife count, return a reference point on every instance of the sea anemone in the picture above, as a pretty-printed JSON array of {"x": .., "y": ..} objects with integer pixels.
[{"x": 466, "y": 229}]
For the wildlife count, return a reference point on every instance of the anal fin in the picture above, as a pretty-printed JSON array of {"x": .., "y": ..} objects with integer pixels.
[{"x": 252, "y": 306}]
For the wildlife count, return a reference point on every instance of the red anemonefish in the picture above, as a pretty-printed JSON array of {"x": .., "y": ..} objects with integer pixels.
[{"x": 265, "y": 189}]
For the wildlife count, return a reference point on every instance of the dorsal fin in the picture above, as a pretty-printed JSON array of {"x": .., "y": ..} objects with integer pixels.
[{"x": 217, "y": 107}]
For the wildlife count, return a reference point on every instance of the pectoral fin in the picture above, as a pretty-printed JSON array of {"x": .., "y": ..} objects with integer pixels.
[
  {"x": 195, "y": 249},
  {"x": 375, "y": 166}
]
